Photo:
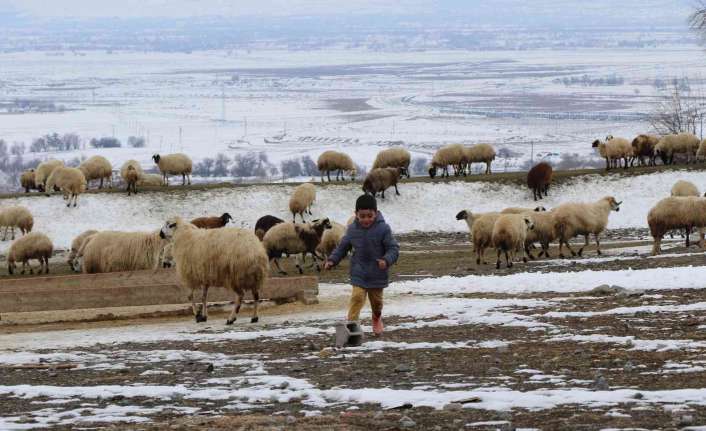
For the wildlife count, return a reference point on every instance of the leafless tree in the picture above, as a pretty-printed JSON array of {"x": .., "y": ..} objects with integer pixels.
[{"x": 678, "y": 110}]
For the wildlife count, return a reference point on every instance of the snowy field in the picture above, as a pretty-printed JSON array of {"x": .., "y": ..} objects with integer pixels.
[
  {"x": 425, "y": 207},
  {"x": 357, "y": 101},
  {"x": 152, "y": 380}
]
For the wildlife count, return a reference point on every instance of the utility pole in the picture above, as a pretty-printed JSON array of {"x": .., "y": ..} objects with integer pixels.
[
  {"x": 181, "y": 147},
  {"x": 532, "y": 152}
]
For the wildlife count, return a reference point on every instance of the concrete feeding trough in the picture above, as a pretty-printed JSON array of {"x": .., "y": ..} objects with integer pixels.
[
  {"x": 349, "y": 334},
  {"x": 130, "y": 289}
]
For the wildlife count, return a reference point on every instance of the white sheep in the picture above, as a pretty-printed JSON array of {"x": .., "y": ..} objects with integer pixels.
[
  {"x": 509, "y": 236},
  {"x": 479, "y": 153},
  {"x": 682, "y": 143},
  {"x": 76, "y": 245},
  {"x": 44, "y": 169},
  {"x": 150, "y": 180},
  {"x": 70, "y": 181},
  {"x": 684, "y": 188},
  {"x": 520, "y": 210},
  {"x": 613, "y": 150},
  {"x": 331, "y": 238},
  {"x": 574, "y": 219},
  {"x": 111, "y": 251},
  {"x": 393, "y": 158},
  {"x": 480, "y": 228},
  {"x": 452, "y": 154},
  {"x": 294, "y": 238},
  {"x": 335, "y": 161},
  {"x": 34, "y": 245},
  {"x": 16, "y": 217},
  {"x": 132, "y": 177},
  {"x": 301, "y": 201},
  {"x": 676, "y": 213},
  {"x": 544, "y": 231},
  {"x": 97, "y": 168},
  {"x": 174, "y": 164},
  {"x": 229, "y": 257}
]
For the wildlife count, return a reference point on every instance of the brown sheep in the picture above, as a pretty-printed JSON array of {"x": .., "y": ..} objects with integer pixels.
[
  {"x": 644, "y": 146},
  {"x": 295, "y": 238},
  {"x": 264, "y": 224},
  {"x": 539, "y": 178},
  {"x": 27, "y": 180},
  {"x": 379, "y": 180},
  {"x": 212, "y": 222}
]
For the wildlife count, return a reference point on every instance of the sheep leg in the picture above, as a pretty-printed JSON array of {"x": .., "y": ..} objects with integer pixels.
[
  {"x": 688, "y": 232},
  {"x": 183, "y": 179},
  {"x": 100, "y": 186},
  {"x": 383, "y": 194},
  {"x": 279, "y": 268},
  {"x": 528, "y": 252},
  {"x": 300, "y": 262},
  {"x": 585, "y": 244},
  {"x": 508, "y": 261},
  {"x": 236, "y": 307},
  {"x": 256, "y": 303},
  {"x": 598, "y": 244},
  {"x": 397, "y": 192},
  {"x": 497, "y": 262},
  {"x": 203, "y": 314},
  {"x": 328, "y": 175}
]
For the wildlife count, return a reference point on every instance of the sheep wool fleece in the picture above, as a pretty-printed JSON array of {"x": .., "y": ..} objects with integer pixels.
[{"x": 369, "y": 245}]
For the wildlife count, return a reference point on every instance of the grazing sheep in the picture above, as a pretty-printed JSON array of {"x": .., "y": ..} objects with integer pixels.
[
  {"x": 111, "y": 251},
  {"x": 480, "y": 227},
  {"x": 574, "y": 219},
  {"x": 331, "y": 238},
  {"x": 676, "y": 213},
  {"x": 16, "y": 217},
  {"x": 76, "y": 245},
  {"x": 684, "y": 188},
  {"x": 452, "y": 154},
  {"x": 613, "y": 150},
  {"x": 683, "y": 143},
  {"x": 301, "y": 201},
  {"x": 539, "y": 178},
  {"x": 229, "y": 257},
  {"x": 509, "y": 236},
  {"x": 520, "y": 210},
  {"x": 35, "y": 245},
  {"x": 480, "y": 153},
  {"x": 379, "y": 180},
  {"x": 212, "y": 222},
  {"x": 70, "y": 181},
  {"x": 97, "y": 168},
  {"x": 291, "y": 238},
  {"x": 150, "y": 180},
  {"x": 335, "y": 161},
  {"x": 44, "y": 169},
  {"x": 644, "y": 146},
  {"x": 264, "y": 224},
  {"x": 174, "y": 164},
  {"x": 131, "y": 178},
  {"x": 544, "y": 232},
  {"x": 393, "y": 158},
  {"x": 27, "y": 180}
]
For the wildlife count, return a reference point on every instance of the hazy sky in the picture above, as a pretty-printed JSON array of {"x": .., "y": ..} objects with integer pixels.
[{"x": 176, "y": 8}]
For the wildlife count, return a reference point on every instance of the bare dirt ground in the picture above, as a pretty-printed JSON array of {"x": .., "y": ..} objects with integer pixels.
[{"x": 234, "y": 378}]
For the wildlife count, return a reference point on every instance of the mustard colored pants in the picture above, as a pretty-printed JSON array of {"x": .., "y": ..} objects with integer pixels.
[{"x": 358, "y": 301}]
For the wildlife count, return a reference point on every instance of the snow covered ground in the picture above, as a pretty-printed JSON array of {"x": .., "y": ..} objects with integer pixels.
[
  {"x": 198, "y": 103},
  {"x": 250, "y": 384},
  {"x": 424, "y": 207}
]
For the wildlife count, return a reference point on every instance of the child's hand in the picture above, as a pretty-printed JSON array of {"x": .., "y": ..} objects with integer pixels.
[
  {"x": 328, "y": 265},
  {"x": 382, "y": 264}
]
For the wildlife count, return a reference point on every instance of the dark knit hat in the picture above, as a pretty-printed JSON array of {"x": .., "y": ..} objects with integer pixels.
[{"x": 366, "y": 202}]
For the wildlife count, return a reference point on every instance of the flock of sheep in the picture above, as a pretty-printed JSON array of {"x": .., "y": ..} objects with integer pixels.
[
  {"x": 52, "y": 175},
  {"x": 240, "y": 259},
  {"x": 645, "y": 149}
]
